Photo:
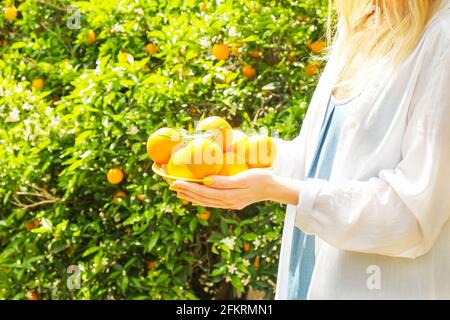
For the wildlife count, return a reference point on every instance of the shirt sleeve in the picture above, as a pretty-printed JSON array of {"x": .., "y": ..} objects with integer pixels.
[
  {"x": 401, "y": 211},
  {"x": 290, "y": 156}
]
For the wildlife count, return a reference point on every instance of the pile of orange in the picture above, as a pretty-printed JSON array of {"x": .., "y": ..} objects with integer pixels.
[{"x": 214, "y": 149}]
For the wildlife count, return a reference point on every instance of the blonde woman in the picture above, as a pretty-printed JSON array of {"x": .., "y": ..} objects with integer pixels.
[{"x": 367, "y": 181}]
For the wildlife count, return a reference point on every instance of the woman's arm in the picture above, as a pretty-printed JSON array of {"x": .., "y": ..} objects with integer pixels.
[{"x": 241, "y": 190}]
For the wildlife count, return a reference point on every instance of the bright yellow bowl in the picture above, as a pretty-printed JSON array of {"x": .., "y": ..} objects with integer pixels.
[{"x": 161, "y": 172}]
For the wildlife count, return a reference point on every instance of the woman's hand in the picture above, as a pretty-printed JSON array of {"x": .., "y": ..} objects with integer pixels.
[{"x": 239, "y": 191}]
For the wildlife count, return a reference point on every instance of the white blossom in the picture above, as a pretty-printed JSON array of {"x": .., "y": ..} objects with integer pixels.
[
  {"x": 132, "y": 130},
  {"x": 204, "y": 42},
  {"x": 26, "y": 106},
  {"x": 48, "y": 111},
  {"x": 233, "y": 32},
  {"x": 13, "y": 116},
  {"x": 232, "y": 269},
  {"x": 229, "y": 242},
  {"x": 117, "y": 28}
]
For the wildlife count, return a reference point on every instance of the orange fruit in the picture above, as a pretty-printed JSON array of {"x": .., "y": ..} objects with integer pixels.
[
  {"x": 202, "y": 6},
  {"x": 249, "y": 72},
  {"x": 312, "y": 68},
  {"x": 238, "y": 142},
  {"x": 177, "y": 164},
  {"x": 151, "y": 48},
  {"x": 184, "y": 202},
  {"x": 161, "y": 144},
  {"x": 260, "y": 152},
  {"x": 233, "y": 164},
  {"x": 257, "y": 262},
  {"x": 32, "y": 224},
  {"x": 125, "y": 57},
  {"x": 255, "y": 54},
  {"x": 303, "y": 18},
  {"x": 204, "y": 216},
  {"x": 38, "y": 84},
  {"x": 119, "y": 196},
  {"x": 202, "y": 157},
  {"x": 236, "y": 50},
  {"x": 3, "y": 42},
  {"x": 151, "y": 265},
  {"x": 114, "y": 175},
  {"x": 316, "y": 46},
  {"x": 91, "y": 37},
  {"x": 10, "y": 13},
  {"x": 246, "y": 246},
  {"x": 214, "y": 123},
  {"x": 221, "y": 51},
  {"x": 140, "y": 196},
  {"x": 179, "y": 169},
  {"x": 291, "y": 57},
  {"x": 32, "y": 296}
]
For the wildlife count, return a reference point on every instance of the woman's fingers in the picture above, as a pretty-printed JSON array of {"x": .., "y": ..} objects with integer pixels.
[
  {"x": 191, "y": 188},
  {"x": 199, "y": 189},
  {"x": 198, "y": 197},
  {"x": 224, "y": 182},
  {"x": 198, "y": 201},
  {"x": 244, "y": 180}
]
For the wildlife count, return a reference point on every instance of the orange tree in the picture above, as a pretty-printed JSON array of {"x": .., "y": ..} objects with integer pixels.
[{"x": 82, "y": 85}]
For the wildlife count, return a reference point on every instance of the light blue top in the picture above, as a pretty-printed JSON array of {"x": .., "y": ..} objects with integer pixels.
[{"x": 302, "y": 256}]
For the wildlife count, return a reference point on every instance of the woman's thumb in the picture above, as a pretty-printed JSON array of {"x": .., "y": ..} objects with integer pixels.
[{"x": 222, "y": 182}]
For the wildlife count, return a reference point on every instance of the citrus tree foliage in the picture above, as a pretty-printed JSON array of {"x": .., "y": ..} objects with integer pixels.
[{"x": 79, "y": 94}]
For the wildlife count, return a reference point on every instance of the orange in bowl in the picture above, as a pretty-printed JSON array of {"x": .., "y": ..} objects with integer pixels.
[
  {"x": 161, "y": 144},
  {"x": 202, "y": 157},
  {"x": 260, "y": 152},
  {"x": 214, "y": 123},
  {"x": 238, "y": 142},
  {"x": 234, "y": 163}
]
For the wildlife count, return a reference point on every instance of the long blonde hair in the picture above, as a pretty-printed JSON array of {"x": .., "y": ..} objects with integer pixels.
[{"x": 369, "y": 31}]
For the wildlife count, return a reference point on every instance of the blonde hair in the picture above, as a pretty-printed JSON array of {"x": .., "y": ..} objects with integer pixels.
[{"x": 370, "y": 31}]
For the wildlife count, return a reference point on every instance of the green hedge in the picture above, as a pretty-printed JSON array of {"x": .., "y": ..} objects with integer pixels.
[{"x": 99, "y": 103}]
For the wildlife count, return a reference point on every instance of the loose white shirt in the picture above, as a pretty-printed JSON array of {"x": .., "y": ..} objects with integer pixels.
[{"x": 382, "y": 220}]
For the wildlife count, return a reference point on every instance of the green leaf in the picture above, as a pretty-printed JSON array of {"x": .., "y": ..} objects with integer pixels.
[
  {"x": 237, "y": 284},
  {"x": 58, "y": 247},
  {"x": 157, "y": 34},
  {"x": 124, "y": 283},
  {"x": 90, "y": 250},
  {"x": 152, "y": 241},
  {"x": 193, "y": 224},
  {"x": 252, "y": 38},
  {"x": 18, "y": 45},
  {"x": 137, "y": 147},
  {"x": 249, "y": 236}
]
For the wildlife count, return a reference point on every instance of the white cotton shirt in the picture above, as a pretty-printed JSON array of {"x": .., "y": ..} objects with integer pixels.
[{"x": 382, "y": 220}]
